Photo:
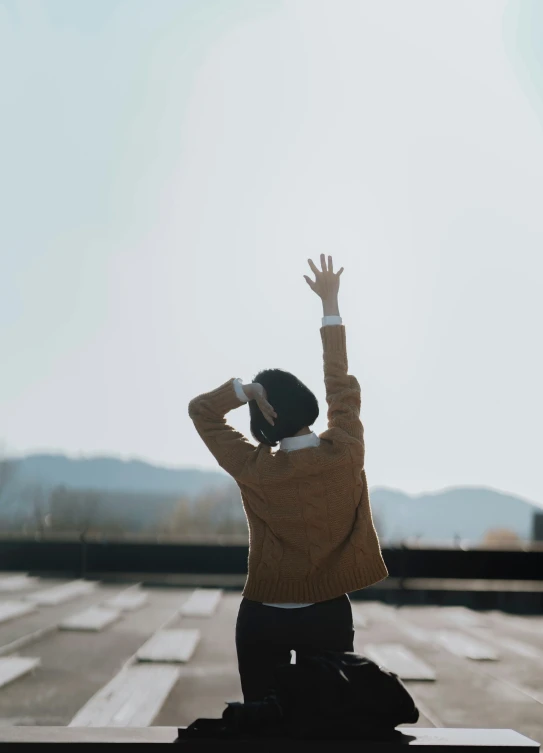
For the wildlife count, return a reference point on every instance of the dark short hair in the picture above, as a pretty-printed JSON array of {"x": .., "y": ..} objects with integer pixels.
[{"x": 296, "y": 406}]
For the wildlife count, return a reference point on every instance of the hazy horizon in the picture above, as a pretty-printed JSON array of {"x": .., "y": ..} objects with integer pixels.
[{"x": 168, "y": 168}]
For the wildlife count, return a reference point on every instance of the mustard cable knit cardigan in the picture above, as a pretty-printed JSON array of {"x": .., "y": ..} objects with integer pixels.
[{"x": 311, "y": 532}]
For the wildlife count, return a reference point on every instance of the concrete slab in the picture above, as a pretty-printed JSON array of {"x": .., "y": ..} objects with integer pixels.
[
  {"x": 10, "y": 610},
  {"x": 93, "y": 618},
  {"x": 433, "y": 740},
  {"x": 401, "y": 660},
  {"x": 466, "y": 646},
  {"x": 414, "y": 632},
  {"x": 132, "y": 699},
  {"x": 87, "y": 735},
  {"x": 128, "y": 600},
  {"x": 202, "y": 603},
  {"x": 17, "y": 582},
  {"x": 463, "y": 617},
  {"x": 13, "y": 667},
  {"x": 520, "y": 648},
  {"x": 62, "y": 593},
  {"x": 170, "y": 646}
]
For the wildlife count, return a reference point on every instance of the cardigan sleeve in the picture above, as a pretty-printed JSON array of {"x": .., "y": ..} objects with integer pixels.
[
  {"x": 342, "y": 388},
  {"x": 230, "y": 448}
]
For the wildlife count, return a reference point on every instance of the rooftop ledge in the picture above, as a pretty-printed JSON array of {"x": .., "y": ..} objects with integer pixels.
[{"x": 433, "y": 739}]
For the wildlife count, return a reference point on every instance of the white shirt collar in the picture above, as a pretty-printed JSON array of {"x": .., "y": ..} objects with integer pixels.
[{"x": 298, "y": 443}]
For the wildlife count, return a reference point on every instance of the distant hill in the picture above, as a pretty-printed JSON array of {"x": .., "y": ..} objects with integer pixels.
[
  {"x": 150, "y": 491},
  {"x": 467, "y": 512},
  {"x": 114, "y": 474},
  {"x": 134, "y": 495}
]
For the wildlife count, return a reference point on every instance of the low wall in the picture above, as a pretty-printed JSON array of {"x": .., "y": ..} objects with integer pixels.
[{"x": 84, "y": 557}]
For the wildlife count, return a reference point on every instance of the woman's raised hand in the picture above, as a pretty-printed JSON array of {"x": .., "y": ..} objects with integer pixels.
[
  {"x": 256, "y": 391},
  {"x": 326, "y": 284}
]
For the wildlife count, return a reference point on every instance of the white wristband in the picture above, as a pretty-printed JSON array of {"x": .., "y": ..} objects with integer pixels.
[{"x": 329, "y": 320}]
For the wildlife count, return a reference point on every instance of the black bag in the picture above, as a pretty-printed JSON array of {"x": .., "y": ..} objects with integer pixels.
[{"x": 326, "y": 694}]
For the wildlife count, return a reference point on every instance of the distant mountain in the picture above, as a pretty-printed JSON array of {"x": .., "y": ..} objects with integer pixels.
[
  {"x": 467, "y": 512},
  {"x": 150, "y": 491},
  {"x": 114, "y": 474},
  {"x": 133, "y": 495}
]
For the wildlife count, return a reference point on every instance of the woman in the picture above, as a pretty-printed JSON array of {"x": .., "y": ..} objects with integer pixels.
[{"x": 311, "y": 533}]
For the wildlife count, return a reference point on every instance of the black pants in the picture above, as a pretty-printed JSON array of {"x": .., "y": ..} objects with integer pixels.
[{"x": 265, "y": 637}]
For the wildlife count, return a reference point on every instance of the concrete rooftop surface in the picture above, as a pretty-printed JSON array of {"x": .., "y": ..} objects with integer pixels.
[{"x": 73, "y": 657}]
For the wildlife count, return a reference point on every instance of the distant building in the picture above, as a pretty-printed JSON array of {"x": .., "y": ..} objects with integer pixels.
[{"x": 537, "y": 534}]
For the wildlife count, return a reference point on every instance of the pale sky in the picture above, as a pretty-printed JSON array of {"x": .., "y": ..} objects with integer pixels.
[{"x": 166, "y": 169}]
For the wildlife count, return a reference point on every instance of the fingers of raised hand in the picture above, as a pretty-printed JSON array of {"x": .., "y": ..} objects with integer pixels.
[
  {"x": 267, "y": 411},
  {"x": 323, "y": 263},
  {"x": 324, "y": 269}
]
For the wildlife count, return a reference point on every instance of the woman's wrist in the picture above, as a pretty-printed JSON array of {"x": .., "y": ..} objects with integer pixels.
[
  {"x": 330, "y": 307},
  {"x": 248, "y": 389}
]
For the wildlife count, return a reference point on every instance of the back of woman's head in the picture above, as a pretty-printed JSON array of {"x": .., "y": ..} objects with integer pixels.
[{"x": 296, "y": 407}]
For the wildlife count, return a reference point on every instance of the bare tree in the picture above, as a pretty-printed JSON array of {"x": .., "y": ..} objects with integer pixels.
[
  {"x": 7, "y": 469},
  {"x": 74, "y": 510},
  {"x": 39, "y": 512},
  {"x": 179, "y": 521},
  {"x": 90, "y": 507}
]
